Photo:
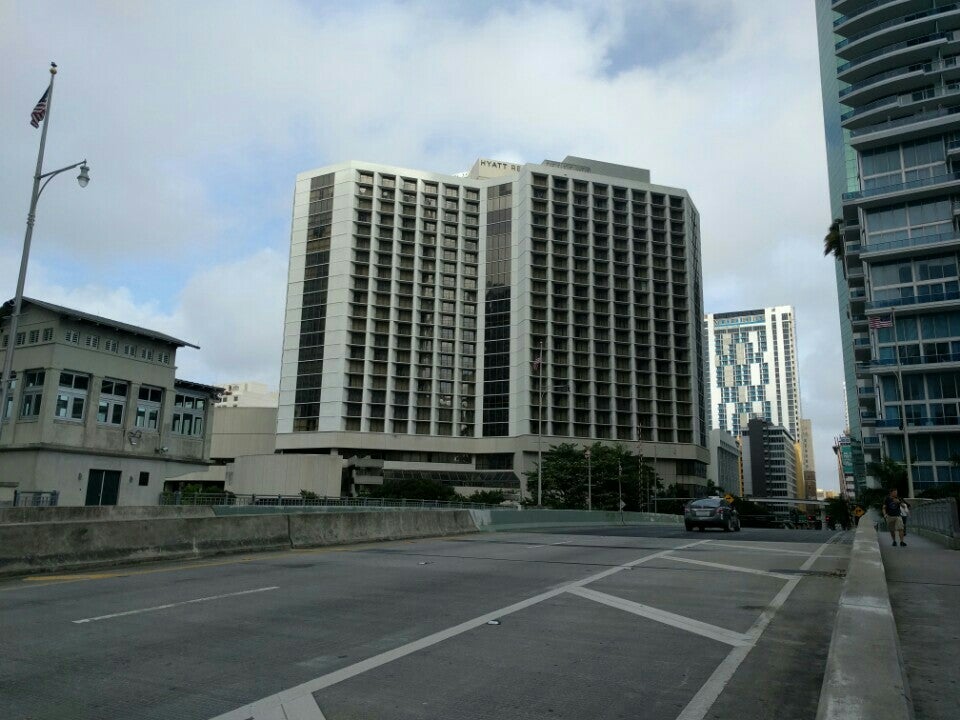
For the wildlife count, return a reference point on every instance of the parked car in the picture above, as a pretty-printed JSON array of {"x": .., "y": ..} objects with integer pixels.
[{"x": 711, "y": 512}]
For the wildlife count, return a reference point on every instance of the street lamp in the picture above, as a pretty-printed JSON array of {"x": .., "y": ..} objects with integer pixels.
[{"x": 40, "y": 181}]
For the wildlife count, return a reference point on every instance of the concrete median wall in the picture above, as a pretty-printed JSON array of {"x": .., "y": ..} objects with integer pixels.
[
  {"x": 30, "y": 547},
  {"x": 530, "y": 519},
  {"x": 865, "y": 677},
  {"x": 111, "y": 512},
  {"x": 336, "y": 528},
  {"x": 33, "y": 547}
]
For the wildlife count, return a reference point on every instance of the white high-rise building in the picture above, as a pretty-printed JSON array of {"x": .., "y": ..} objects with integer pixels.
[
  {"x": 430, "y": 317},
  {"x": 753, "y": 369},
  {"x": 247, "y": 394}
]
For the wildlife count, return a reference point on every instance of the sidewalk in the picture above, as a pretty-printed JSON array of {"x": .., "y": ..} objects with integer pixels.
[{"x": 924, "y": 584}]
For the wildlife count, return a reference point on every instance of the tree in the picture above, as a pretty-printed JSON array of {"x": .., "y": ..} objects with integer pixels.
[
  {"x": 833, "y": 240},
  {"x": 488, "y": 497},
  {"x": 891, "y": 474},
  {"x": 614, "y": 470},
  {"x": 839, "y": 511}
]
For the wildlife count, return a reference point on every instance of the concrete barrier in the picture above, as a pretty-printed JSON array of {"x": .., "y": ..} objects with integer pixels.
[
  {"x": 112, "y": 512},
  {"x": 865, "y": 677},
  {"x": 30, "y": 547},
  {"x": 335, "y": 528},
  {"x": 37, "y": 547},
  {"x": 529, "y": 519}
]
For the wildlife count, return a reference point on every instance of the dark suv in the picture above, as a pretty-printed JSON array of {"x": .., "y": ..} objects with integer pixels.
[{"x": 711, "y": 512}]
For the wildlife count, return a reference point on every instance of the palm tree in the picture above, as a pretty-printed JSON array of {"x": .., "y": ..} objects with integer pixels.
[{"x": 833, "y": 240}]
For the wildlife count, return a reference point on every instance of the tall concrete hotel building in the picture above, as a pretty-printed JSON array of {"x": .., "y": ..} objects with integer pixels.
[
  {"x": 891, "y": 86},
  {"x": 432, "y": 320}
]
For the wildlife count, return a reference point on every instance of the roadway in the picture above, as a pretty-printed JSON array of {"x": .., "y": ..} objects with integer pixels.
[{"x": 618, "y": 622}]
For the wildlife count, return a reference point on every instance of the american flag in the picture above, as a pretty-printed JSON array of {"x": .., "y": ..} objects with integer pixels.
[
  {"x": 537, "y": 363},
  {"x": 40, "y": 110},
  {"x": 879, "y": 321}
]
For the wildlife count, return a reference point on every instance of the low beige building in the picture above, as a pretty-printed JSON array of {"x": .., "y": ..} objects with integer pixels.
[{"x": 96, "y": 415}]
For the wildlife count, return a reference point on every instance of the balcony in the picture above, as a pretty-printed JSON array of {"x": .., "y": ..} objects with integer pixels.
[
  {"x": 893, "y": 55},
  {"x": 941, "y": 241},
  {"x": 927, "y": 423},
  {"x": 924, "y": 21},
  {"x": 937, "y": 297},
  {"x": 923, "y": 186},
  {"x": 909, "y": 363},
  {"x": 875, "y": 11}
]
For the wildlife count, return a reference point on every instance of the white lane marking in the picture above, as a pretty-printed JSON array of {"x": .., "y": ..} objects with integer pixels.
[
  {"x": 707, "y": 695},
  {"x": 734, "y": 568},
  {"x": 258, "y": 707},
  {"x": 302, "y": 708},
  {"x": 170, "y": 605},
  {"x": 528, "y": 547},
  {"x": 682, "y": 622}
]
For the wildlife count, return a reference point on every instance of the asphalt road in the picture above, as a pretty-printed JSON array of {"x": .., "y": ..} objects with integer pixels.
[{"x": 619, "y": 622}]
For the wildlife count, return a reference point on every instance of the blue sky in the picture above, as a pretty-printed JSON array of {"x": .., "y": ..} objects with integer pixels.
[{"x": 195, "y": 118}]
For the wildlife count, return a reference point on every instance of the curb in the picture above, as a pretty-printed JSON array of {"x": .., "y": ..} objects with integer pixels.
[{"x": 865, "y": 678}]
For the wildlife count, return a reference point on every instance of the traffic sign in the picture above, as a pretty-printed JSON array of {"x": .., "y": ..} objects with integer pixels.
[
  {"x": 728, "y": 497},
  {"x": 622, "y": 504},
  {"x": 859, "y": 511}
]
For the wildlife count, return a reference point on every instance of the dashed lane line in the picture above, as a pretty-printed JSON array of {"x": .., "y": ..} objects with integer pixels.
[{"x": 171, "y": 605}]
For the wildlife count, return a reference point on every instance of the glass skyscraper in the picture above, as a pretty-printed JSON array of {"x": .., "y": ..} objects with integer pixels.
[{"x": 891, "y": 88}]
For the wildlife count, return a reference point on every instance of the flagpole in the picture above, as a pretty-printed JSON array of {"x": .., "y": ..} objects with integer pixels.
[{"x": 24, "y": 258}]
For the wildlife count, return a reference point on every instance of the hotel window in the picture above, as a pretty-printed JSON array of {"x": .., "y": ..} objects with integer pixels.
[
  {"x": 148, "y": 407},
  {"x": 113, "y": 399},
  {"x": 188, "y": 414},
  {"x": 72, "y": 395}
]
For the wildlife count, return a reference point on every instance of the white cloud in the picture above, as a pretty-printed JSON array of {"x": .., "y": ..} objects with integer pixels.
[{"x": 196, "y": 116}]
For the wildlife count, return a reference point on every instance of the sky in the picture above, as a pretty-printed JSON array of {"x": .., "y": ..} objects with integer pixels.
[{"x": 196, "y": 117}]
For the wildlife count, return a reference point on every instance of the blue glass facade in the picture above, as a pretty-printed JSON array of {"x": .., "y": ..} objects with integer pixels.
[{"x": 891, "y": 88}]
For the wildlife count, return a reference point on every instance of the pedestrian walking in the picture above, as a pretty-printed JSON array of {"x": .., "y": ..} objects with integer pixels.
[
  {"x": 904, "y": 513},
  {"x": 894, "y": 517}
]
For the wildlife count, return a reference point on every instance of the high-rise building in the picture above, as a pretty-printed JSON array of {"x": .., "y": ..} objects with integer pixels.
[
  {"x": 724, "y": 468},
  {"x": 769, "y": 461},
  {"x": 891, "y": 101},
  {"x": 432, "y": 319},
  {"x": 753, "y": 369}
]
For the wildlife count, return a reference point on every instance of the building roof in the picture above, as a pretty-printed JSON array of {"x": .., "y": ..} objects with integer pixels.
[
  {"x": 97, "y": 320},
  {"x": 213, "y": 390}
]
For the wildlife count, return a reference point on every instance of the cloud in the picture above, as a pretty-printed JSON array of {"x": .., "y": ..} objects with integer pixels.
[{"x": 195, "y": 117}]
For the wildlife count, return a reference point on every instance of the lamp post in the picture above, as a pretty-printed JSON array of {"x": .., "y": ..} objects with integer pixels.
[
  {"x": 589, "y": 481},
  {"x": 40, "y": 181}
]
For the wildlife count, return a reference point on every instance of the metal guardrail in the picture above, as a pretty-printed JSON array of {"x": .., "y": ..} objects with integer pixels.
[
  {"x": 176, "y": 498},
  {"x": 939, "y": 516}
]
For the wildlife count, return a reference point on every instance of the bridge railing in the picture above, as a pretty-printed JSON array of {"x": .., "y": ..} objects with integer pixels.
[
  {"x": 176, "y": 498},
  {"x": 939, "y": 516}
]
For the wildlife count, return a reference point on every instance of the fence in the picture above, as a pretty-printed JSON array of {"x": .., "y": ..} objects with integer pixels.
[
  {"x": 939, "y": 516},
  {"x": 35, "y": 498},
  {"x": 176, "y": 498}
]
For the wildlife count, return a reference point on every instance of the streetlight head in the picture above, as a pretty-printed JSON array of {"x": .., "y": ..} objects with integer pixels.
[{"x": 84, "y": 177}]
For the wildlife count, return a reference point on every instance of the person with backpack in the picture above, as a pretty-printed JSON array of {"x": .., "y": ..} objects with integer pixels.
[{"x": 892, "y": 513}]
